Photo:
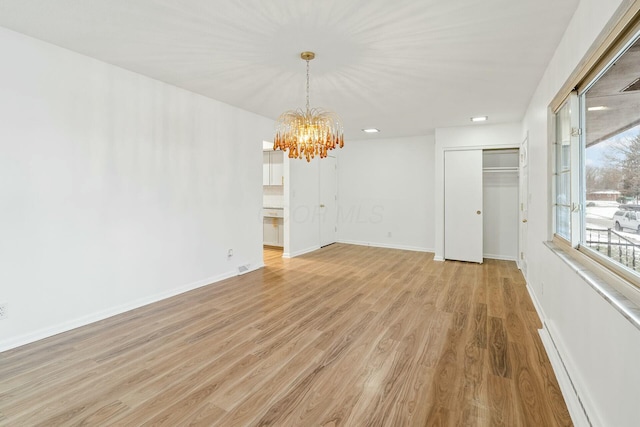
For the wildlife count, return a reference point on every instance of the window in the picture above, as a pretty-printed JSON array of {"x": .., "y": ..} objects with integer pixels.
[
  {"x": 567, "y": 176},
  {"x": 563, "y": 172},
  {"x": 612, "y": 160},
  {"x": 597, "y": 165}
]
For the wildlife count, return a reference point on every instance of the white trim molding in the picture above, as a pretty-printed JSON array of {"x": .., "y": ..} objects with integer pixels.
[
  {"x": 569, "y": 392},
  {"x": 301, "y": 252},
  {"x": 571, "y": 396},
  {"x": 387, "y": 246}
]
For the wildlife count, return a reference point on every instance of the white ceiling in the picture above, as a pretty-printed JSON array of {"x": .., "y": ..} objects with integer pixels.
[{"x": 403, "y": 66}]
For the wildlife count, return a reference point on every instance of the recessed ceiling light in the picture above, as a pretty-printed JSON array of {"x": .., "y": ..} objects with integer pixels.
[
  {"x": 371, "y": 130},
  {"x": 479, "y": 119},
  {"x": 598, "y": 108}
]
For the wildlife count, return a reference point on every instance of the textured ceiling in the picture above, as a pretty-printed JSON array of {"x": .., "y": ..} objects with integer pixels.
[{"x": 403, "y": 66}]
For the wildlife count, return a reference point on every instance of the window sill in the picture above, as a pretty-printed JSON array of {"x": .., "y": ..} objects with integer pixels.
[{"x": 615, "y": 291}]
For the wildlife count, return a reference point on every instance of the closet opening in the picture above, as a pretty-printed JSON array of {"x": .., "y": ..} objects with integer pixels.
[{"x": 500, "y": 189}]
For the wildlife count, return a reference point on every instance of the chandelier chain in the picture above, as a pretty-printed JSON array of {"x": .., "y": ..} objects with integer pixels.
[{"x": 307, "y": 86}]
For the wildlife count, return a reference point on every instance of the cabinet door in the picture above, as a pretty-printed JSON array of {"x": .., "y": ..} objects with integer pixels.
[
  {"x": 270, "y": 231},
  {"x": 266, "y": 168},
  {"x": 280, "y": 232},
  {"x": 463, "y": 205},
  {"x": 277, "y": 168}
]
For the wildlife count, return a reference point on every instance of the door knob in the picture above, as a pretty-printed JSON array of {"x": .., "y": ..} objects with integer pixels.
[
  {"x": 322, "y": 206},
  {"x": 524, "y": 220},
  {"x": 478, "y": 212}
]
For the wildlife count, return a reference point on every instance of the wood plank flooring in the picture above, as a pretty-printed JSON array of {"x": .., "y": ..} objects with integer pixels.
[{"x": 344, "y": 336}]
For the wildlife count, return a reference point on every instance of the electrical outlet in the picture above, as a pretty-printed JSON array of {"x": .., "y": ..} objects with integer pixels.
[
  {"x": 3, "y": 311},
  {"x": 389, "y": 234},
  {"x": 230, "y": 253}
]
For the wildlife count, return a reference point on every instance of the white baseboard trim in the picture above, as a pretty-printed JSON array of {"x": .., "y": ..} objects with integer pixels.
[
  {"x": 101, "y": 315},
  {"x": 569, "y": 392},
  {"x": 499, "y": 257},
  {"x": 301, "y": 252},
  {"x": 438, "y": 258},
  {"x": 386, "y": 245},
  {"x": 581, "y": 391},
  {"x": 536, "y": 303},
  {"x": 567, "y": 387}
]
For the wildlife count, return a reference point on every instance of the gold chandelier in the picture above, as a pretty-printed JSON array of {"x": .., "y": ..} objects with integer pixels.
[{"x": 310, "y": 132}]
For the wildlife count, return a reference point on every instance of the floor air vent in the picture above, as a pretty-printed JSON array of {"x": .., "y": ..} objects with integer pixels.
[{"x": 243, "y": 269}]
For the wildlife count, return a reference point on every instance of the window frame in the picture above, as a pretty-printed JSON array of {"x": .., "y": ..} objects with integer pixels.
[
  {"x": 575, "y": 202},
  {"x": 615, "y": 44}
]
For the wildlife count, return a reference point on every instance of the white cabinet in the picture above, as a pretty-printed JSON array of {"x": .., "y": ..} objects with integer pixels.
[
  {"x": 277, "y": 168},
  {"x": 270, "y": 231},
  {"x": 272, "y": 168},
  {"x": 266, "y": 168},
  {"x": 273, "y": 227}
]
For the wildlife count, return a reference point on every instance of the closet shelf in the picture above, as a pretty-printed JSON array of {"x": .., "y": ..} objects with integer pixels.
[{"x": 500, "y": 169}]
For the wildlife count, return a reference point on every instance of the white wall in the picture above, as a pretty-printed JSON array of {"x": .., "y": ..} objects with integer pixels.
[
  {"x": 386, "y": 186},
  {"x": 116, "y": 190},
  {"x": 474, "y": 136},
  {"x": 599, "y": 347}
]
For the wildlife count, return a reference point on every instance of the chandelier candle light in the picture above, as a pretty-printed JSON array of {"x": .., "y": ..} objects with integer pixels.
[{"x": 310, "y": 132}]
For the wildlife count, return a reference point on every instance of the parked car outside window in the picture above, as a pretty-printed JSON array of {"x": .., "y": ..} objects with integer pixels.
[{"x": 627, "y": 219}]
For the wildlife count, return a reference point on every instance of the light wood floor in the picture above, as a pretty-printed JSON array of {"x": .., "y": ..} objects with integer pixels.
[{"x": 347, "y": 335}]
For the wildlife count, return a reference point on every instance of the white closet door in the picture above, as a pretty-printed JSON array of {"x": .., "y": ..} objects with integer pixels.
[
  {"x": 463, "y": 205},
  {"x": 524, "y": 205},
  {"x": 328, "y": 201}
]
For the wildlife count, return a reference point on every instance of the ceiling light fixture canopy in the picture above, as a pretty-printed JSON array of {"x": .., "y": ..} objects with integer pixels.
[{"x": 310, "y": 132}]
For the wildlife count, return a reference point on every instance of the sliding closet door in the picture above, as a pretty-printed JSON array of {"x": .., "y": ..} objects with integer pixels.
[{"x": 463, "y": 205}]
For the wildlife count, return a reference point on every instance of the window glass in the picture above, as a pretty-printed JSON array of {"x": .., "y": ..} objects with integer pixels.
[
  {"x": 612, "y": 161},
  {"x": 563, "y": 172}
]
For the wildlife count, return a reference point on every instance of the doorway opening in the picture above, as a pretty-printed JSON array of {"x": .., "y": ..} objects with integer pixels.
[{"x": 273, "y": 213}]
